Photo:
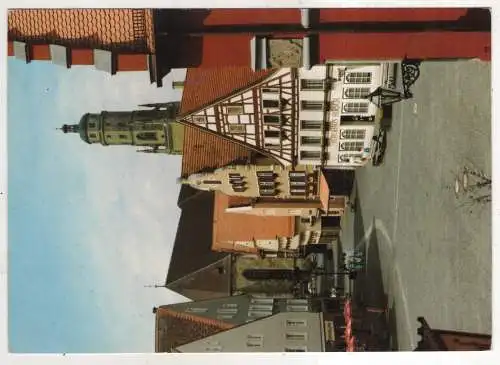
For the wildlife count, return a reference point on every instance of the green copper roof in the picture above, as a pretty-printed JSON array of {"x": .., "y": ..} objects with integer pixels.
[{"x": 83, "y": 128}]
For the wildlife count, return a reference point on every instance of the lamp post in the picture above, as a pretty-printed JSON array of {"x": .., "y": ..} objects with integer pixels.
[{"x": 410, "y": 72}]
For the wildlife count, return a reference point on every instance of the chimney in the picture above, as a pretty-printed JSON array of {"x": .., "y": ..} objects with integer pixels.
[{"x": 177, "y": 85}]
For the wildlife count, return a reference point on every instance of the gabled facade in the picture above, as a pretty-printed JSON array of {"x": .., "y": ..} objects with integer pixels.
[
  {"x": 316, "y": 117},
  {"x": 282, "y": 332},
  {"x": 279, "y": 231},
  {"x": 194, "y": 270},
  {"x": 272, "y": 190}
]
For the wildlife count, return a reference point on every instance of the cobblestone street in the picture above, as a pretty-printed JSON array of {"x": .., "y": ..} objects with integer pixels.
[{"x": 429, "y": 249}]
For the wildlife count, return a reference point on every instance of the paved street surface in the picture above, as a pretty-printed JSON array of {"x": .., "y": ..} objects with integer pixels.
[{"x": 429, "y": 249}]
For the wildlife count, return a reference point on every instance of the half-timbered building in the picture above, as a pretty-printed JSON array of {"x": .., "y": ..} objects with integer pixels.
[{"x": 317, "y": 117}]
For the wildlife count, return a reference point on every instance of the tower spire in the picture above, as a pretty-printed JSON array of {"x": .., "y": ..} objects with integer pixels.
[
  {"x": 70, "y": 128},
  {"x": 155, "y": 286}
]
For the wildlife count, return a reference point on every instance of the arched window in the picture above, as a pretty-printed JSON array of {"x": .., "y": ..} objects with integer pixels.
[
  {"x": 358, "y": 77},
  {"x": 356, "y": 92},
  {"x": 146, "y": 136}
]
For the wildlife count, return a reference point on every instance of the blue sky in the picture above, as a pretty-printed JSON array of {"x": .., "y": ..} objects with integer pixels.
[{"x": 89, "y": 225}]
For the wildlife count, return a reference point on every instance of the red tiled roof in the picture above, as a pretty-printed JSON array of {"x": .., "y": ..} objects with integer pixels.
[
  {"x": 203, "y": 150},
  {"x": 174, "y": 328},
  {"x": 85, "y": 28},
  {"x": 204, "y": 86},
  {"x": 245, "y": 227}
]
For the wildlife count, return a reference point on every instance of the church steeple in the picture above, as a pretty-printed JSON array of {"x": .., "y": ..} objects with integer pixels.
[
  {"x": 154, "y": 130},
  {"x": 71, "y": 128}
]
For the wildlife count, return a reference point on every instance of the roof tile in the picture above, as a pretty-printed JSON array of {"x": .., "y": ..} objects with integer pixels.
[
  {"x": 206, "y": 151},
  {"x": 174, "y": 328},
  {"x": 204, "y": 86}
]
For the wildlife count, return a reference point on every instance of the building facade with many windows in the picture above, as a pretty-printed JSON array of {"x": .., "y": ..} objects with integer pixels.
[
  {"x": 321, "y": 116},
  {"x": 295, "y": 331},
  {"x": 336, "y": 119}
]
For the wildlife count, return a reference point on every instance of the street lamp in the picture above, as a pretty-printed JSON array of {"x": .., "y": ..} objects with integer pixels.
[
  {"x": 382, "y": 96},
  {"x": 410, "y": 72}
]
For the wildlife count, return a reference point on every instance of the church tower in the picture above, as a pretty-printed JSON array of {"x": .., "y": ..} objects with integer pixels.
[{"x": 154, "y": 130}]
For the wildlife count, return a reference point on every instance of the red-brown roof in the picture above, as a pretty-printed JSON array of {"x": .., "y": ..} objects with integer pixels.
[
  {"x": 85, "y": 28},
  {"x": 204, "y": 86},
  {"x": 245, "y": 227},
  {"x": 204, "y": 151},
  {"x": 174, "y": 328}
]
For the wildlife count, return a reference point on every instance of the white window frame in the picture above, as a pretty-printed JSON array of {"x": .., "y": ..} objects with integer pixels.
[
  {"x": 312, "y": 84},
  {"x": 271, "y": 90},
  {"x": 345, "y": 157},
  {"x": 272, "y": 146},
  {"x": 261, "y": 307},
  {"x": 358, "y": 78},
  {"x": 199, "y": 119},
  {"x": 235, "y": 109},
  {"x": 258, "y": 314},
  {"x": 308, "y": 155},
  {"x": 317, "y": 127},
  {"x": 236, "y": 128},
  {"x": 262, "y": 301},
  {"x": 296, "y": 323},
  {"x": 355, "y": 107},
  {"x": 297, "y": 301},
  {"x": 297, "y": 308},
  {"x": 271, "y": 116},
  {"x": 351, "y": 146},
  {"x": 312, "y": 105},
  {"x": 275, "y": 134},
  {"x": 213, "y": 348},
  {"x": 355, "y": 134},
  {"x": 299, "y": 174},
  {"x": 225, "y": 316},
  {"x": 311, "y": 141},
  {"x": 356, "y": 92},
  {"x": 277, "y": 106},
  {"x": 296, "y": 336},
  {"x": 295, "y": 348}
]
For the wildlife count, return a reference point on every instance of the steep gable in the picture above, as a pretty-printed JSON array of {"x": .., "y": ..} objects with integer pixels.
[
  {"x": 192, "y": 257},
  {"x": 178, "y": 328},
  {"x": 206, "y": 86}
]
